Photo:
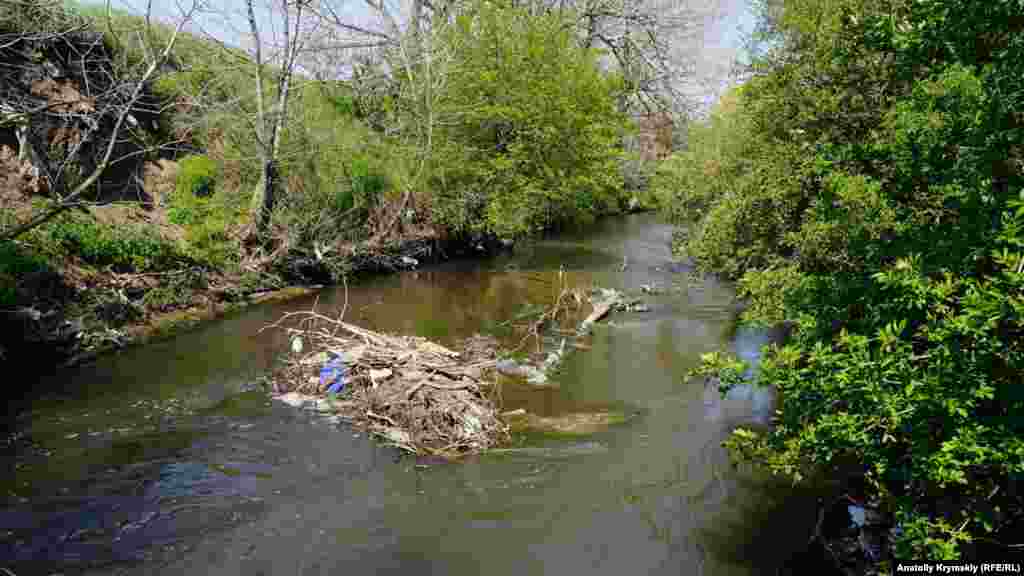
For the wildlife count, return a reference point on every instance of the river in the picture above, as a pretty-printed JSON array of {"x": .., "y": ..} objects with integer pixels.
[{"x": 172, "y": 459}]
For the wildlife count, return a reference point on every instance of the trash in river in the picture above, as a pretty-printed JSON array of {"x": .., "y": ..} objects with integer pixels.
[
  {"x": 510, "y": 367},
  {"x": 604, "y": 302},
  {"x": 419, "y": 395},
  {"x": 570, "y": 424},
  {"x": 555, "y": 452},
  {"x": 414, "y": 393},
  {"x": 651, "y": 289},
  {"x": 853, "y": 533},
  {"x": 566, "y": 307},
  {"x": 332, "y": 375},
  {"x": 857, "y": 514}
]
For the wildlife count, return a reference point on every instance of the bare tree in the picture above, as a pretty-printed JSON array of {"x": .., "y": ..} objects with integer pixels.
[
  {"x": 270, "y": 118},
  {"x": 424, "y": 64},
  {"x": 119, "y": 99},
  {"x": 649, "y": 41}
]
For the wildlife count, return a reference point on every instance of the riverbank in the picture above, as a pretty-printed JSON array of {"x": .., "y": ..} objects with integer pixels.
[
  {"x": 111, "y": 235},
  {"x": 71, "y": 312}
]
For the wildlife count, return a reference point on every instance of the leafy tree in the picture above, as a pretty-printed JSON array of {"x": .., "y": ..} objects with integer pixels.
[
  {"x": 529, "y": 134},
  {"x": 870, "y": 192}
]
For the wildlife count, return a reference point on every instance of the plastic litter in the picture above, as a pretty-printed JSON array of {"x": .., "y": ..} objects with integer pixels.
[
  {"x": 857, "y": 514},
  {"x": 333, "y": 374}
]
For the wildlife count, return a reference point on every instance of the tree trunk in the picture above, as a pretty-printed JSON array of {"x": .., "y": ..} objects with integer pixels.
[{"x": 263, "y": 198}]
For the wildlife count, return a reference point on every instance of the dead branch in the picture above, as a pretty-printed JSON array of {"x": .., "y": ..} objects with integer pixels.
[
  {"x": 418, "y": 395},
  {"x": 65, "y": 202}
]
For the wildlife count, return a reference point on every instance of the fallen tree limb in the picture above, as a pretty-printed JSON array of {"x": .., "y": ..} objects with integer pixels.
[{"x": 610, "y": 300}]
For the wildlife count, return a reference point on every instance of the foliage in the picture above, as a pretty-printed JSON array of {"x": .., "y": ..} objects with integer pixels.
[
  {"x": 197, "y": 175},
  {"x": 177, "y": 291},
  {"x": 163, "y": 298},
  {"x": 36, "y": 17},
  {"x": 123, "y": 248},
  {"x": 367, "y": 185},
  {"x": 529, "y": 133},
  {"x": 207, "y": 216},
  {"x": 15, "y": 263},
  {"x": 865, "y": 185},
  {"x": 338, "y": 170}
]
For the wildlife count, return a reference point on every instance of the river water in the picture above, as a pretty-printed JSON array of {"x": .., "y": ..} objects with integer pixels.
[{"x": 172, "y": 459}]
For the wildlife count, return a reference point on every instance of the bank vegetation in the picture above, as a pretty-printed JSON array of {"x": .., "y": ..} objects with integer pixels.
[
  {"x": 863, "y": 185},
  {"x": 150, "y": 166}
]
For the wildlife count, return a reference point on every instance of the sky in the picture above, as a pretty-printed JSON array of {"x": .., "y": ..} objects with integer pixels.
[
  {"x": 723, "y": 42},
  {"x": 726, "y": 23}
]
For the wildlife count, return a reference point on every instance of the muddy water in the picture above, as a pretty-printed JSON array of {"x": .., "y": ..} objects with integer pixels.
[{"x": 171, "y": 459}]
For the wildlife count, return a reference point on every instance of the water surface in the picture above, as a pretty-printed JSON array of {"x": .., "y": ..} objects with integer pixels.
[{"x": 171, "y": 459}]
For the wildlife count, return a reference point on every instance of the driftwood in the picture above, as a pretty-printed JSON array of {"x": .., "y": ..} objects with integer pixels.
[
  {"x": 416, "y": 394},
  {"x": 603, "y": 302},
  {"x": 610, "y": 299}
]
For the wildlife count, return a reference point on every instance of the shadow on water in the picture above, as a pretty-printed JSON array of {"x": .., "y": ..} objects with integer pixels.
[{"x": 168, "y": 459}]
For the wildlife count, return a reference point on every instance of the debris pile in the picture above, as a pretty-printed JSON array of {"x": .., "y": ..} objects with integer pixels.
[
  {"x": 415, "y": 394},
  {"x": 418, "y": 395},
  {"x": 602, "y": 300}
]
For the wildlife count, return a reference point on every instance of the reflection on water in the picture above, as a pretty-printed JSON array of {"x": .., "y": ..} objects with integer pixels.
[
  {"x": 166, "y": 460},
  {"x": 750, "y": 399}
]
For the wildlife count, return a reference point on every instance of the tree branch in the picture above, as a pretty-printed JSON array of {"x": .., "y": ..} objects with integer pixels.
[{"x": 66, "y": 202}]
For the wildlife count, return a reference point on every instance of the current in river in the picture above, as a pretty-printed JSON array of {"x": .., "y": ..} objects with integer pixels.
[{"x": 172, "y": 458}]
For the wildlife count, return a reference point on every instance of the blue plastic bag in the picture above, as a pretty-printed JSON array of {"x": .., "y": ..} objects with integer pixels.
[{"x": 332, "y": 375}]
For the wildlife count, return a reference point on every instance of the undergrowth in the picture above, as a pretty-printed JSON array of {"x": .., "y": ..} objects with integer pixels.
[{"x": 124, "y": 248}]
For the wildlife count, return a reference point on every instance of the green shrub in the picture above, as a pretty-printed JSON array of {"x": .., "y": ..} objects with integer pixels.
[
  {"x": 197, "y": 175},
  {"x": 15, "y": 262},
  {"x": 190, "y": 203},
  {"x": 206, "y": 216},
  {"x": 367, "y": 185},
  {"x": 530, "y": 143},
  {"x": 209, "y": 241},
  {"x": 8, "y": 292},
  {"x": 343, "y": 104},
  {"x": 125, "y": 247},
  {"x": 163, "y": 298},
  {"x": 870, "y": 189}
]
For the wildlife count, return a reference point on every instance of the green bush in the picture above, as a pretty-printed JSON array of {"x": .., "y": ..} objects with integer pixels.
[
  {"x": 209, "y": 241},
  {"x": 206, "y": 216},
  {"x": 197, "y": 175},
  {"x": 190, "y": 204},
  {"x": 177, "y": 290},
  {"x": 164, "y": 298},
  {"x": 529, "y": 143},
  {"x": 15, "y": 262},
  {"x": 124, "y": 248},
  {"x": 37, "y": 17},
  {"x": 869, "y": 188},
  {"x": 367, "y": 185}
]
